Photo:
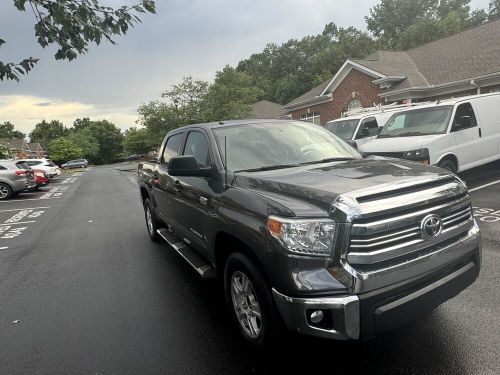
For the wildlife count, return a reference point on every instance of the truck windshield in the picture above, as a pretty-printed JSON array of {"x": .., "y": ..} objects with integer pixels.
[
  {"x": 421, "y": 121},
  {"x": 343, "y": 129},
  {"x": 280, "y": 145}
]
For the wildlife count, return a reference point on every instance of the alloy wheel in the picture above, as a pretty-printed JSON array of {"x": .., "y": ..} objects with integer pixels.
[
  {"x": 4, "y": 191},
  {"x": 246, "y": 305},
  {"x": 149, "y": 221}
]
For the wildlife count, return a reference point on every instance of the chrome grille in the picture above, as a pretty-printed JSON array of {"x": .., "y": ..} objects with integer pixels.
[{"x": 383, "y": 236}]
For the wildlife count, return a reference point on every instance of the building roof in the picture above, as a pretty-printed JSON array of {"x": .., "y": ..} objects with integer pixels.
[
  {"x": 14, "y": 144},
  {"x": 453, "y": 61},
  {"x": 35, "y": 146},
  {"x": 265, "y": 109}
]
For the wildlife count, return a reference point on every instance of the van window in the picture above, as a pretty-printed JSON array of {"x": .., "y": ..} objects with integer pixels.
[
  {"x": 465, "y": 117},
  {"x": 343, "y": 129},
  {"x": 368, "y": 128},
  {"x": 172, "y": 147}
]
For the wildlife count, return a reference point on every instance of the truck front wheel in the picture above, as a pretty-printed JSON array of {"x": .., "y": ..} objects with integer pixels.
[{"x": 249, "y": 300}]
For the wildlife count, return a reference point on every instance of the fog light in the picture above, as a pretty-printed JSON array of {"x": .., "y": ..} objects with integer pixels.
[{"x": 316, "y": 316}]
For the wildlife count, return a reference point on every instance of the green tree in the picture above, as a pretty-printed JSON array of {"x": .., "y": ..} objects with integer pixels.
[
  {"x": 136, "y": 141},
  {"x": 4, "y": 152},
  {"x": 494, "y": 9},
  {"x": 109, "y": 138},
  {"x": 63, "y": 149},
  {"x": 86, "y": 142},
  {"x": 230, "y": 96},
  {"x": 46, "y": 131},
  {"x": 72, "y": 25},
  {"x": 7, "y": 131}
]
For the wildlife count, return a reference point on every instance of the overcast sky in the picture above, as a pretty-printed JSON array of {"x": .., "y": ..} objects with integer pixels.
[{"x": 185, "y": 37}]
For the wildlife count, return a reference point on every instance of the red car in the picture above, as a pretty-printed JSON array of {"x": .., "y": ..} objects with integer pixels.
[{"x": 41, "y": 178}]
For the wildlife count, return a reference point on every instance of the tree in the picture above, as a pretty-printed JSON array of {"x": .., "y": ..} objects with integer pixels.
[
  {"x": 4, "y": 152},
  {"x": 136, "y": 141},
  {"x": 72, "y": 25},
  {"x": 109, "y": 138},
  {"x": 86, "y": 141},
  {"x": 7, "y": 131},
  {"x": 494, "y": 9},
  {"x": 230, "y": 96},
  {"x": 63, "y": 149},
  {"x": 45, "y": 132}
]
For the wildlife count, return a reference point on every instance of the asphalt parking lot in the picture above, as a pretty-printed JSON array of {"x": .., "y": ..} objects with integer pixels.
[{"x": 83, "y": 290}]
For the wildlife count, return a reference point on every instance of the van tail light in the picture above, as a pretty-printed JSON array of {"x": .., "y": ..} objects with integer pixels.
[{"x": 21, "y": 172}]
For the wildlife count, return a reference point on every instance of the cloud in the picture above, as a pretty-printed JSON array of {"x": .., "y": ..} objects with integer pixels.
[{"x": 24, "y": 111}]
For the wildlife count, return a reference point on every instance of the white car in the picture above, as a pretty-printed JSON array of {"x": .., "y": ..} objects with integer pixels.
[
  {"x": 45, "y": 165},
  {"x": 455, "y": 134}
]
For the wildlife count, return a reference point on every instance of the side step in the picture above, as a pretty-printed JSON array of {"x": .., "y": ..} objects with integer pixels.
[{"x": 197, "y": 262}]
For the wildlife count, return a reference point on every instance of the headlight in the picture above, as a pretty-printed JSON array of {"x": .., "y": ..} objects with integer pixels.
[
  {"x": 303, "y": 236},
  {"x": 418, "y": 155}
]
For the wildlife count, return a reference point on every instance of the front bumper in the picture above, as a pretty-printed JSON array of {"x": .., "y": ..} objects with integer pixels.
[{"x": 362, "y": 316}]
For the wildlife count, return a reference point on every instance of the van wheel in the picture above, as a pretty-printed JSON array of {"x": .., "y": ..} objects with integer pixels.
[
  {"x": 249, "y": 301},
  {"x": 152, "y": 223},
  {"x": 449, "y": 165},
  {"x": 5, "y": 191}
]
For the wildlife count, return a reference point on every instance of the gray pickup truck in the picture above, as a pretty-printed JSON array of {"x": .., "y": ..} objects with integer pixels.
[{"x": 306, "y": 232}]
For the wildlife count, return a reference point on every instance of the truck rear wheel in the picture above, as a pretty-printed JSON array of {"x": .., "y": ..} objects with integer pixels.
[
  {"x": 152, "y": 223},
  {"x": 249, "y": 300}
]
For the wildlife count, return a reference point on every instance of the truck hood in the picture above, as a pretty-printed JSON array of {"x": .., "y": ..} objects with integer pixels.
[
  {"x": 310, "y": 190},
  {"x": 398, "y": 144}
]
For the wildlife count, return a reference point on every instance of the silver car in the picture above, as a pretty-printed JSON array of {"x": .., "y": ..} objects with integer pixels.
[{"x": 14, "y": 178}]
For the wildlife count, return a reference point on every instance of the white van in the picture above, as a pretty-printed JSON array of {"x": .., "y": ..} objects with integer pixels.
[
  {"x": 359, "y": 128},
  {"x": 455, "y": 134}
]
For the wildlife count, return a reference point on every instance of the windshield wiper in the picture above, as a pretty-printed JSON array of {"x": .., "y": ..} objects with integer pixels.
[
  {"x": 327, "y": 160},
  {"x": 409, "y": 134},
  {"x": 268, "y": 168}
]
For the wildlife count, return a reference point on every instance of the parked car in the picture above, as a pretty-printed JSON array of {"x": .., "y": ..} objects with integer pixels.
[
  {"x": 456, "y": 134},
  {"x": 359, "y": 128},
  {"x": 304, "y": 229},
  {"x": 41, "y": 178},
  {"x": 14, "y": 178},
  {"x": 45, "y": 165},
  {"x": 78, "y": 163}
]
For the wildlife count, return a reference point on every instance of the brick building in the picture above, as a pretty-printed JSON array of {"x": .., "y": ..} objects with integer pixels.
[{"x": 461, "y": 64}]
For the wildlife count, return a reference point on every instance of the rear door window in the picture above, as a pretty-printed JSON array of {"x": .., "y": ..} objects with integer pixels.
[{"x": 172, "y": 147}]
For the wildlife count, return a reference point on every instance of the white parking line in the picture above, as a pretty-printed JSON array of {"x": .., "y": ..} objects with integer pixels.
[
  {"x": 26, "y": 199},
  {"x": 485, "y": 185},
  {"x": 22, "y": 209},
  {"x": 19, "y": 222},
  {"x": 3, "y": 248}
]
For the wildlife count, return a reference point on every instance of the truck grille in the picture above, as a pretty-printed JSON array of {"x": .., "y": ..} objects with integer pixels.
[{"x": 394, "y": 234}]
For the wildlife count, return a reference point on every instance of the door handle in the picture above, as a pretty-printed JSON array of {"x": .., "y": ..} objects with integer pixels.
[{"x": 480, "y": 134}]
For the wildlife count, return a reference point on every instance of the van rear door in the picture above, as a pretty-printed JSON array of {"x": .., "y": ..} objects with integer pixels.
[{"x": 486, "y": 109}]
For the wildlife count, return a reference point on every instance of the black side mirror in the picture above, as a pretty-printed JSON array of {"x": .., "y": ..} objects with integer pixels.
[{"x": 187, "y": 166}]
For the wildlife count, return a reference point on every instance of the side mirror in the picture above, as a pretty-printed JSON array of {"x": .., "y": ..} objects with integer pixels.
[{"x": 187, "y": 166}]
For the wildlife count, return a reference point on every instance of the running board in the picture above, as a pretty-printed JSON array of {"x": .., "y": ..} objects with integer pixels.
[{"x": 196, "y": 261}]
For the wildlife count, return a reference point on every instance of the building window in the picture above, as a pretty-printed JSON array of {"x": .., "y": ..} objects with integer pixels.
[
  {"x": 354, "y": 103},
  {"x": 311, "y": 117}
]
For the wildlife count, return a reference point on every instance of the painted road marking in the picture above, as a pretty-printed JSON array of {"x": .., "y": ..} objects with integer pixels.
[
  {"x": 28, "y": 208},
  {"x": 485, "y": 185},
  {"x": 4, "y": 247},
  {"x": 30, "y": 214},
  {"x": 24, "y": 199},
  {"x": 78, "y": 174},
  {"x": 21, "y": 222},
  {"x": 69, "y": 180},
  {"x": 55, "y": 192},
  {"x": 8, "y": 232},
  {"x": 486, "y": 215}
]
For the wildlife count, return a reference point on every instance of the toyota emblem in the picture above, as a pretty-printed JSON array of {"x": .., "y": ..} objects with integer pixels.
[{"x": 431, "y": 226}]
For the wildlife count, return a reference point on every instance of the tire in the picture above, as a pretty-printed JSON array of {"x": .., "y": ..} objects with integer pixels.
[
  {"x": 5, "y": 191},
  {"x": 152, "y": 223},
  {"x": 449, "y": 165},
  {"x": 258, "y": 332}
]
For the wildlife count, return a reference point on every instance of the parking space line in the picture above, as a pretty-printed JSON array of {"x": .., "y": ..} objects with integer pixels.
[
  {"x": 22, "y": 209},
  {"x": 19, "y": 222},
  {"x": 27, "y": 199},
  {"x": 3, "y": 248},
  {"x": 485, "y": 185}
]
